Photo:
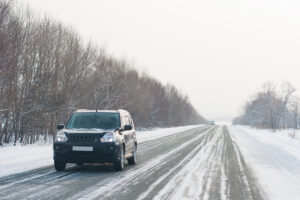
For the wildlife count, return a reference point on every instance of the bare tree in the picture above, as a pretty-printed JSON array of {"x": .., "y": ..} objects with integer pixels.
[
  {"x": 269, "y": 108},
  {"x": 47, "y": 72}
]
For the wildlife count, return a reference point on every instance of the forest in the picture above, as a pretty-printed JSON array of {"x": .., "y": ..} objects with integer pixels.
[
  {"x": 47, "y": 72},
  {"x": 274, "y": 106}
]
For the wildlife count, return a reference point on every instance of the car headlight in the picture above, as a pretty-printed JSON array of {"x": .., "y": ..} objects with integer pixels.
[
  {"x": 61, "y": 137},
  {"x": 108, "y": 137}
]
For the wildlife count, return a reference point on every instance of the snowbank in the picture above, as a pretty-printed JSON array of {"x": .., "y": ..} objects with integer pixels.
[
  {"x": 274, "y": 157},
  {"x": 16, "y": 159}
]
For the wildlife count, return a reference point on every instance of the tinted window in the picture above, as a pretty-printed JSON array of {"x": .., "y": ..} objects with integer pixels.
[
  {"x": 126, "y": 121},
  {"x": 95, "y": 120},
  {"x": 131, "y": 122}
]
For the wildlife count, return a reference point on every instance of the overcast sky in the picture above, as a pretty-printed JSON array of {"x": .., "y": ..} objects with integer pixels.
[{"x": 217, "y": 52}]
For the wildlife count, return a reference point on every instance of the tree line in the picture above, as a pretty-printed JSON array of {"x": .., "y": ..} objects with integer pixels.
[
  {"x": 47, "y": 72},
  {"x": 273, "y": 106}
]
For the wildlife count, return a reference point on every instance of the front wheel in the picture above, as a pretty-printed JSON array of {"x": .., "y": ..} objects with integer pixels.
[
  {"x": 119, "y": 165},
  {"x": 59, "y": 166},
  {"x": 133, "y": 159}
]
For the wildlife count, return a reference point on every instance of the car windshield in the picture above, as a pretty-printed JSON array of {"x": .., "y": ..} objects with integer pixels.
[{"x": 97, "y": 120}]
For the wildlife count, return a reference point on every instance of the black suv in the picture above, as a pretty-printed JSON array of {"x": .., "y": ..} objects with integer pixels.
[{"x": 96, "y": 136}]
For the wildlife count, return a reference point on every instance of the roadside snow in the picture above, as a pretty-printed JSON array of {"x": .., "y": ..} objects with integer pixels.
[
  {"x": 274, "y": 157},
  {"x": 16, "y": 159}
]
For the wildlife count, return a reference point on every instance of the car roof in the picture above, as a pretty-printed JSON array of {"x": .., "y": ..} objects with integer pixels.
[{"x": 105, "y": 111}]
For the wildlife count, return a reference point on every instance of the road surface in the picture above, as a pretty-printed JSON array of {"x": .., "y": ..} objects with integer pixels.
[{"x": 202, "y": 163}]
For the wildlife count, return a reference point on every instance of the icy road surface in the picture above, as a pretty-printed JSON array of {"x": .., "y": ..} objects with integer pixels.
[
  {"x": 202, "y": 163},
  {"x": 17, "y": 159}
]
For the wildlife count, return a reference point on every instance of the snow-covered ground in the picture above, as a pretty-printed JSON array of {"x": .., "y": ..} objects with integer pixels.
[
  {"x": 274, "y": 157},
  {"x": 23, "y": 158},
  {"x": 16, "y": 159}
]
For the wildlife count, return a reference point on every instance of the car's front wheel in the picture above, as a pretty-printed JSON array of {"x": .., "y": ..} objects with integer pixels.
[
  {"x": 119, "y": 165},
  {"x": 59, "y": 165}
]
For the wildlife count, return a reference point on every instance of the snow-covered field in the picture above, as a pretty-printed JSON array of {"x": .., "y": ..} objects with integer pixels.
[
  {"x": 274, "y": 157},
  {"x": 16, "y": 159}
]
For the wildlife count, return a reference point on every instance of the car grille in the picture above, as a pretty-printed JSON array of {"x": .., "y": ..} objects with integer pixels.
[{"x": 84, "y": 138}]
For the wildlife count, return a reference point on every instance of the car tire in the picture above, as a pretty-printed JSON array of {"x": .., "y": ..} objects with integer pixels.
[
  {"x": 59, "y": 165},
  {"x": 119, "y": 165},
  {"x": 133, "y": 159}
]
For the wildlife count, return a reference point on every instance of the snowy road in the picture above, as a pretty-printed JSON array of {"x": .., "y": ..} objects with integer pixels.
[{"x": 202, "y": 163}]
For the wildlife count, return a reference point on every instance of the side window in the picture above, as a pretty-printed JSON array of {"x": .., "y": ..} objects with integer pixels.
[
  {"x": 123, "y": 121},
  {"x": 126, "y": 121},
  {"x": 130, "y": 121}
]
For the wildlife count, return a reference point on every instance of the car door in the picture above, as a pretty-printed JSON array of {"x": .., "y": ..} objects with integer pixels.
[
  {"x": 133, "y": 135},
  {"x": 126, "y": 135},
  {"x": 129, "y": 135}
]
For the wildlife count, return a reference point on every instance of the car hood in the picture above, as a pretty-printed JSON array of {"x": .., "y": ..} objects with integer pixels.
[{"x": 87, "y": 130}]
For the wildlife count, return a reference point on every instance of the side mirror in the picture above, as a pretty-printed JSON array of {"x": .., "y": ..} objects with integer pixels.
[
  {"x": 60, "y": 126},
  {"x": 127, "y": 127}
]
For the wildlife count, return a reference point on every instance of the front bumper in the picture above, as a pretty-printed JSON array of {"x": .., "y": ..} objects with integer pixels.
[{"x": 102, "y": 153}]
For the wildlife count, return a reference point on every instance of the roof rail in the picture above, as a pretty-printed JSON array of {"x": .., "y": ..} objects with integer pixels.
[{"x": 80, "y": 110}]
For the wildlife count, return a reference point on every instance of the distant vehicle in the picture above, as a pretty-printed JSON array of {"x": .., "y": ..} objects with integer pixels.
[
  {"x": 212, "y": 123},
  {"x": 91, "y": 136}
]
